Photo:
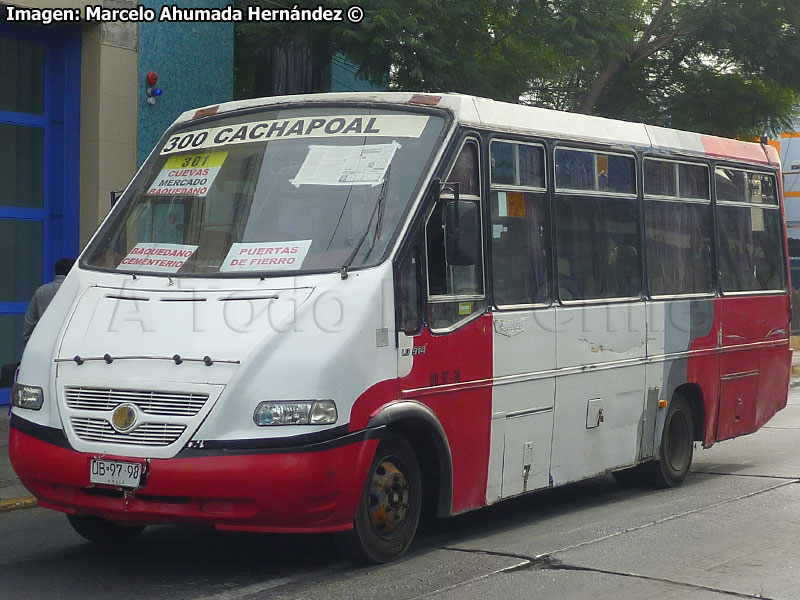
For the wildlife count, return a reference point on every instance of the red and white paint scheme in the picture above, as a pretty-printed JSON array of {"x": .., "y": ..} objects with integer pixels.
[{"x": 381, "y": 303}]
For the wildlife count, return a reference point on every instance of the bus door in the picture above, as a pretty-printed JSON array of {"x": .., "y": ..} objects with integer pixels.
[{"x": 524, "y": 332}]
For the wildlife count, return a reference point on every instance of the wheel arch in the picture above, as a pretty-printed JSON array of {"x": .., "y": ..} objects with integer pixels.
[
  {"x": 423, "y": 430},
  {"x": 694, "y": 396}
]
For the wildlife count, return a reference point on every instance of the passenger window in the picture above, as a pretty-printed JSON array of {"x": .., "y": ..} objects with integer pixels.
[
  {"x": 679, "y": 243},
  {"x": 693, "y": 181},
  {"x": 660, "y": 178},
  {"x": 455, "y": 285},
  {"x": 749, "y": 226},
  {"x": 520, "y": 224},
  {"x": 737, "y": 185},
  {"x": 672, "y": 179},
  {"x": 578, "y": 170},
  {"x": 677, "y": 228},
  {"x": 519, "y": 165},
  {"x": 597, "y": 248}
]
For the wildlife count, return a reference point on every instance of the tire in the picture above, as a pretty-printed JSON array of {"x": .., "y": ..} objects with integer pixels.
[
  {"x": 103, "y": 531},
  {"x": 677, "y": 446},
  {"x": 389, "y": 509}
]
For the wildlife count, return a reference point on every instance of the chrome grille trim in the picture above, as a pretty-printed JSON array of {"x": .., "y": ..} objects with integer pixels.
[
  {"x": 150, "y": 402},
  {"x": 147, "y": 434}
]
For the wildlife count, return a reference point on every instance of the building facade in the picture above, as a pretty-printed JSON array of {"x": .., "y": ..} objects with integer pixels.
[
  {"x": 789, "y": 147},
  {"x": 75, "y": 125}
]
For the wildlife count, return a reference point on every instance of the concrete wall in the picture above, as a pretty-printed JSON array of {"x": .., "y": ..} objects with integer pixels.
[
  {"x": 194, "y": 62},
  {"x": 790, "y": 154},
  {"x": 109, "y": 118}
]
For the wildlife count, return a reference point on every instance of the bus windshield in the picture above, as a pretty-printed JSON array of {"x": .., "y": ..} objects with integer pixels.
[{"x": 291, "y": 190}]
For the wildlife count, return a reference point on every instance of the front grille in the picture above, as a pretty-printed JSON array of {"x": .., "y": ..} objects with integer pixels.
[
  {"x": 177, "y": 404},
  {"x": 147, "y": 434}
]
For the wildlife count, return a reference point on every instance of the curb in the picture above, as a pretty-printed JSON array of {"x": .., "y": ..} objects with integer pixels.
[{"x": 17, "y": 503}]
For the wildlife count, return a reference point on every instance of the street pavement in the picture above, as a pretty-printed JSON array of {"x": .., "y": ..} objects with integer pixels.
[
  {"x": 730, "y": 531},
  {"x": 13, "y": 494}
]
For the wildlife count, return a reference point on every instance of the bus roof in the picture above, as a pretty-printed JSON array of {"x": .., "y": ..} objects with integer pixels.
[{"x": 517, "y": 118}]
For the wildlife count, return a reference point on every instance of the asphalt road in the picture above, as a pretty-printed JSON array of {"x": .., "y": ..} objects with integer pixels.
[{"x": 730, "y": 531}]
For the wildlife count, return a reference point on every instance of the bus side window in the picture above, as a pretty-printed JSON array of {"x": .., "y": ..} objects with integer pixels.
[
  {"x": 678, "y": 228},
  {"x": 749, "y": 223},
  {"x": 455, "y": 291},
  {"x": 520, "y": 224},
  {"x": 598, "y": 252}
]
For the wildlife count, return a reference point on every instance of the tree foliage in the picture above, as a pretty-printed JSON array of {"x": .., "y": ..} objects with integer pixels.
[{"x": 729, "y": 67}]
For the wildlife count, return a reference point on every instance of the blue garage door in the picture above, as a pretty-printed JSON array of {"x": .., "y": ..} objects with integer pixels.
[{"x": 39, "y": 154}]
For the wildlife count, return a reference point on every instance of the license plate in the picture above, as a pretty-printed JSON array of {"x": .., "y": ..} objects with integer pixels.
[{"x": 116, "y": 472}]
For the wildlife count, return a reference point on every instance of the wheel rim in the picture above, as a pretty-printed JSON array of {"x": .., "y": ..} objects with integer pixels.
[
  {"x": 388, "y": 499},
  {"x": 679, "y": 442}
]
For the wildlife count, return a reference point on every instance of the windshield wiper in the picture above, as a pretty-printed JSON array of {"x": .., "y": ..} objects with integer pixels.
[{"x": 377, "y": 209}]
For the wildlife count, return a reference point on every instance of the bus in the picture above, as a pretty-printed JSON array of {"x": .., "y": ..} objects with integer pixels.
[{"x": 335, "y": 312}]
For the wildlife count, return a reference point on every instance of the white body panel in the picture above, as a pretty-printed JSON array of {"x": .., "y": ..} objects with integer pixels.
[
  {"x": 568, "y": 395},
  {"x": 522, "y": 401},
  {"x": 601, "y": 351}
]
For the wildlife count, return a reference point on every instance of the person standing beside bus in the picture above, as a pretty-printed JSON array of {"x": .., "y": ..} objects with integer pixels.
[{"x": 42, "y": 298}]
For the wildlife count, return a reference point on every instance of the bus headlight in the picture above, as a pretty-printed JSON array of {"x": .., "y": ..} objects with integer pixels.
[
  {"x": 27, "y": 396},
  {"x": 296, "y": 412}
]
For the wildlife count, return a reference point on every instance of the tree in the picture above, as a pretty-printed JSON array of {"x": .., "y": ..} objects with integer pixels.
[
  {"x": 720, "y": 66},
  {"x": 730, "y": 67}
]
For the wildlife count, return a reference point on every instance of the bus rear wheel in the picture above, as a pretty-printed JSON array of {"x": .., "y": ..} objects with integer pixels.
[
  {"x": 390, "y": 506},
  {"x": 103, "y": 531},
  {"x": 677, "y": 446}
]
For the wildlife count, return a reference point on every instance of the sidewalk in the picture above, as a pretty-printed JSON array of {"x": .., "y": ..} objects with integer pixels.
[{"x": 13, "y": 494}]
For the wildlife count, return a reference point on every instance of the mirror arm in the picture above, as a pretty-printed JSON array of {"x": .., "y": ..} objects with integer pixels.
[{"x": 451, "y": 186}]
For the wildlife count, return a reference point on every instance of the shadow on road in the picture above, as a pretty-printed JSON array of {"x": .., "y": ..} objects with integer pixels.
[{"x": 193, "y": 561}]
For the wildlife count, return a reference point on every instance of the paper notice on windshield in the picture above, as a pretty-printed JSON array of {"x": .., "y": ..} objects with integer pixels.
[
  {"x": 345, "y": 165},
  {"x": 188, "y": 174},
  {"x": 266, "y": 256},
  {"x": 157, "y": 258}
]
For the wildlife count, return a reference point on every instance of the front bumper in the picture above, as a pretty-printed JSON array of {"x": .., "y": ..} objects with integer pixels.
[{"x": 309, "y": 489}]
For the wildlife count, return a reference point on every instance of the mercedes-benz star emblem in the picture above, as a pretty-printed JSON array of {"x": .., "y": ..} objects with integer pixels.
[{"x": 124, "y": 417}]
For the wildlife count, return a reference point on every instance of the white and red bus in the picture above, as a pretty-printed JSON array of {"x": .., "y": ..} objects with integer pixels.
[{"x": 329, "y": 313}]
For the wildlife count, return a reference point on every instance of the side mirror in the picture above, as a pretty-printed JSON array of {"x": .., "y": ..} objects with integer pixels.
[{"x": 462, "y": 233}]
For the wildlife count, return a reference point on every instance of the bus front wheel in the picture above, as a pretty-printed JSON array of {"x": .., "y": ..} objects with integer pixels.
[
  {"x": 677, "y": 445},
  {"x": 390, "y": 505},
  {"x": 103, "y": 531}
]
